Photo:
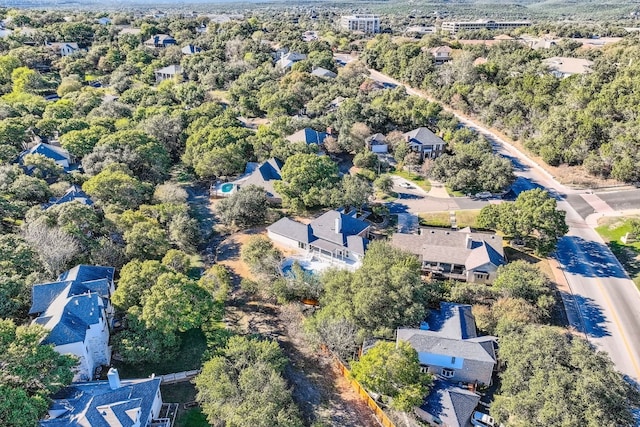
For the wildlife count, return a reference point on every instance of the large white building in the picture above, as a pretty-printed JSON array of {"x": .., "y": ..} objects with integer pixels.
[
  {"x": 455, "y": 27},
  {"x": 364, "y": 23}
]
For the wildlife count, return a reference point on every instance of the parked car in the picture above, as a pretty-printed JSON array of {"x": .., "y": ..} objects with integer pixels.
[
  {"x": 405, "y": 185},
  {"x": 484, "y": 195},
  {"x": 479, "y": 419}
]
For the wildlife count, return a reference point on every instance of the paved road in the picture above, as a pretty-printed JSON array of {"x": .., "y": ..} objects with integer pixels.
[{"x": 608, "y": 303}]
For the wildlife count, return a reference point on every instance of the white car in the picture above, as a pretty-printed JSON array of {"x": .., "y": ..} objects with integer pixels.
[
  {"x": 483, "y": 195},
  {"x": 482, "y": 420},
  {"x": 405, "y": 185}
]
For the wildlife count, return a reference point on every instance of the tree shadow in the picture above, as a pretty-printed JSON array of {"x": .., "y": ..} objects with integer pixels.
[
  {"x": 587, "y": 258},
  {"x": 592, "y": 316}
]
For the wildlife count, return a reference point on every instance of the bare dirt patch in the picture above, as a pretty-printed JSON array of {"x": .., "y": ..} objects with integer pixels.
[{"x": 319, "y": 389}]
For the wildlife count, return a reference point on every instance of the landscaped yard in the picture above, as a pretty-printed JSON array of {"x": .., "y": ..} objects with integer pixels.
[
  {"x": 184, "y": 393},
  {"x": 611, "y": 230},
  {"x": 416, "y": 179},
  {"x": 466, "y": 218}
]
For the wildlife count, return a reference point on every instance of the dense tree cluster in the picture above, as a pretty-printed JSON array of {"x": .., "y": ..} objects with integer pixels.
[{"x": 576, "y": 121}]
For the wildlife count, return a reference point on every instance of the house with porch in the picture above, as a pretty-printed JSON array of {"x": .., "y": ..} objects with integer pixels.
[
  {"x": 441, "y": 54},
  {"x": 170, "y": 72},
  {"x": 336, "y": 235},
  {"x": 114, "y": 402},
  {"x": 425, "y": 142},
  {"x": 455, "y": 254},
  {"x": 449, "y": 348},
  {"x": 77, "y": 312}
]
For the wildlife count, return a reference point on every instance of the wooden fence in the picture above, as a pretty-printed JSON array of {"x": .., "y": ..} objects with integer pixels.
[{"x": 380, "y": 415}]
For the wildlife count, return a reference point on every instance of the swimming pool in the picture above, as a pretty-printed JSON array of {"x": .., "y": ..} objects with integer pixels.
[{"x": 227, "y": 188}]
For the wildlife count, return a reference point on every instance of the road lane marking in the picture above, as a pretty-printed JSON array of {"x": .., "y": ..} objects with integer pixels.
[{"x": 619, "y": 325}]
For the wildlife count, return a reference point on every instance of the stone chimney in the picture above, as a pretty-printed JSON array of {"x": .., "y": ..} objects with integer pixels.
[
  {"x": 338, "y": 225},
  {"x": 114, "y": 379}
]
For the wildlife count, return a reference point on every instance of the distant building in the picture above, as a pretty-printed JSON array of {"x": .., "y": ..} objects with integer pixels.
[
  {"x": 455, "y": 27},
  {"x": 377, "y": 143},
  {"x": 73, "y": 194},
  {"x": 441, "y": 54},
  {"x": 160, "y": 40},
  {"x": 115, "y": 402},
  {"x": 191, "y": 50},
  {"x": 77, "y": 312},
  {"x": 53, "y": 152},
  {"x": 369, "y": 24},
  {"x": 287, "y": 60},
  {"x": 264, "y": 175},
  {"x": 563, "y": 67},
  {"x": 308, "y": 136},
  {"x": 104, "y": 21},
  {"x": 64, "y": 48},
  {"x": 420, "y": 30},
  {"x": 324, "y": 73},
  {"x": 166, "y": 73}
]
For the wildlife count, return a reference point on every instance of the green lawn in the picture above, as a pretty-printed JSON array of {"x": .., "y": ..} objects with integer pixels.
[
  {"x": 193, "y": 346},
  {"x": 192, "y": 418},
  {"x": 466, "y": 218},
  {"x": 184, "y": 393},
  {"x": 416, "y": 179},
  {"x": 454, "y": 193},
  {"x": 611, "y": 230}
]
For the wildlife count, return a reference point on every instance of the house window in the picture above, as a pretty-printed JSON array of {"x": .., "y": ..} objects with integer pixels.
[
  {"x": 302, "y": 245},
  {"x": 424, "y": 369},
  {"x": 481, "y": 275},
  {"x": 447, "y": 373}
]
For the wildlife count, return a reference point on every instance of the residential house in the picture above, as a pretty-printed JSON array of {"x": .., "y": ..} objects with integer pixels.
[
  {"x": 64, "y": 48},
  {"x": 448, "y": 406},
  {"x": 419, "y": 30},
  {"x": 425, "y": 142},
  {"x": 104, "y": 20},
  {"x": 160, "y": 40},
  {"x": 287, "y": 60},
  {"x": 308, "y": 136},
  {"x": 377, "y": 143},
  {"x": 190, "y": 50},
  {"x": 324, "y": 73},
  {"x": 368, "y": 24},
  {"x": 335, "y": 103},
  {"x": 448, "y": 346},
  {"x": 369, "y": 85},
  {"x": 167, "y": 73},
  {"x": 77, "y": 312},
  {"x": 336, "y": 235},
  {"x": 73, "y": 194},
  {"x": 115, "y": 402},
  {"x": 310, "y": 36},
  {"x": 264, "y": 175},
  {"x": 563, "y": 67},
  {"x": 455, "y": 254},
  {"x": 53, "y": 152},
  {"x": 441, "y": 54}
]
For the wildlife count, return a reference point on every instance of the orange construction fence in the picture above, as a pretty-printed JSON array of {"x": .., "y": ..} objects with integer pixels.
[{"x": 380, "y": 415}]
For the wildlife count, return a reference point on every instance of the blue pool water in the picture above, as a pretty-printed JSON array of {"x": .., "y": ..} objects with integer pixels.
[{"x": 226, "y": 188}]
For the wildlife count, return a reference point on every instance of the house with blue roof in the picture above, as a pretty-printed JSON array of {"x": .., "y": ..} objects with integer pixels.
[
  {"x": 308, "y": 136},
  {"x": 115, "y": 402},
  {"x": 335, "y": 235},
  {"x": 76, "y": 310},
  {"x": 264, "y": 175},
  {"x": 73, "y": 194},
  {"x": 448, "y": 405},
  {"x": 53, "y": 152},
  {"x": 449, "y": 348}
]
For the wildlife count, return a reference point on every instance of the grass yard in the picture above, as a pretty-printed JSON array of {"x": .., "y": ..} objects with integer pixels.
[
  {"x": 466, "y": 218},
  {"x": 454, "y": 193},
  {"x": 194, "y": 344},
  {"x": 611, "y": 230},
  {"x": 416, "y": 179},
  {"x": 184, "y": 393}
]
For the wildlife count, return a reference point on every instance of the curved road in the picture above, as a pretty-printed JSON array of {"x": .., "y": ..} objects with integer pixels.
[{"x": 605, "y": 303}]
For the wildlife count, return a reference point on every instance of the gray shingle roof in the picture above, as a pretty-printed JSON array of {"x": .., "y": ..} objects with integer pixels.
[
  {"x": 453, "y": 321},
  {"x": 453, "y": 247},
  {"x": 452, "y": 405},
  {"x": 308, "y": 136},
  {"x": 423, "y": 136},
  {"x": 323, "y": 72},
  {"x": 432, "y": 343},
  {"x": 91, "y": 403},
  {"x": 324, "y": 227},
  {"x": 265, "y": 175},
  {"x": 292, "y": 229},
  {"x": 74, "y": 193}
]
